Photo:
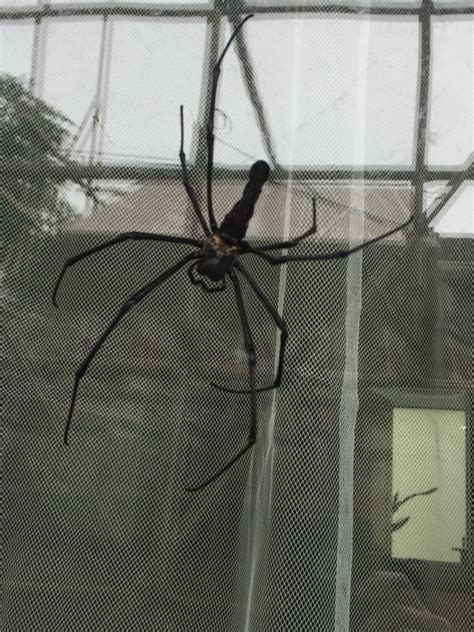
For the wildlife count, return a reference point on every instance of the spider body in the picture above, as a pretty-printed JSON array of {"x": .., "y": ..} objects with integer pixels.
[
  {"x": 215, "y": 259},
  {"x": 221, "y": 248}
]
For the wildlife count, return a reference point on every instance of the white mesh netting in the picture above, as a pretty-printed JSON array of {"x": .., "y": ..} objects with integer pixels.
[{"x": 352, "y": 511}]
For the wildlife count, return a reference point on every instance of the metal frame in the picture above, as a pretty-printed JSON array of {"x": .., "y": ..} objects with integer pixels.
[
  {"x": 205, "y": 9},
  {"x": 124, "y": 171},
  {"x": 214, "y": 12}
]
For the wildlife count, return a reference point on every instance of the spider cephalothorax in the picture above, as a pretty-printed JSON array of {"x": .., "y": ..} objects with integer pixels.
[
  {"x": 217, "y": 259},
  {"x": 214, "y": 259}
]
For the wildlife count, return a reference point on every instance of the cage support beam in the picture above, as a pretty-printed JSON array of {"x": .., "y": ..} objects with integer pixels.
[
  {"x": 422, "y": 110},
  {"x": 20, "y": 168},
  {"x": 148, "y": 9},
  {"x": 452, "y": 186}
]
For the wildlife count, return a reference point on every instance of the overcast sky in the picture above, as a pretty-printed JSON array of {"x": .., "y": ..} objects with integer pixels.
[{"x": 336, "y": 90}]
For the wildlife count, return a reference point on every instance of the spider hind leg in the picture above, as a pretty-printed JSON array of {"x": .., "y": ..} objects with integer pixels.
[
  {"x": 129, "y": 236},
  {"x": 279, "y": 322},
  {"x": 251, "y": 361},
  {"x": 133, "y": 300}
]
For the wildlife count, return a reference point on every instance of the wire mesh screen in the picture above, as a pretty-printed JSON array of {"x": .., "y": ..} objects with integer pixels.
[{"x": 352, "y": 510}]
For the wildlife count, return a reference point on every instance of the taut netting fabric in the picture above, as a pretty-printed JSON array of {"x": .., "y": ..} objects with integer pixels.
[{"x": 352, "y": 511}]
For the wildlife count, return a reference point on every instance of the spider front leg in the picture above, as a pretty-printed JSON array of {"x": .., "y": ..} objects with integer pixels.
[
  {"x": 187, "y": 185},
  {"x": 129, "y": 303},
  {"x": 210, "y": 126},
  {"x": 291, "y": 242},
  {"x": 132, "y": 236},
  {"x": 279, "y": 322},
  {"x": 251, "y": 361},
  {"x": 339, "y": 254}
]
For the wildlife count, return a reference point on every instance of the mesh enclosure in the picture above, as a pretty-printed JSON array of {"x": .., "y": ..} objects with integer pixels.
[{"x": 353, "y": 511}]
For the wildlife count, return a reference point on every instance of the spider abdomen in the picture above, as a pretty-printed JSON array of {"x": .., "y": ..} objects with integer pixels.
[{"x": 236, "y": 221}]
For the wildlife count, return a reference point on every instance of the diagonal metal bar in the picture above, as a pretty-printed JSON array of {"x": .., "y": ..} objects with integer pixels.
[
  {"x": 249, "y": 77},
  {"x": 81, "y": 127},
  {"x": 423, "y": 94},
  {"x": 98, "y": 96},
  {"x": 87, "y": 187},
  {"x": 452, "y": 186}
]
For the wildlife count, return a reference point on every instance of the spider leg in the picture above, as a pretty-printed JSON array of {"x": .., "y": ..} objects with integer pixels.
[
  {"x": 251, "y": 359},
  {"x": 280, "y": 323},
  {"x": 339, "y": 254},
  {"x": 187, "y": 185},
  {"x": 210, "y": 125},
  {"x": 129, "y": 303},
  {"x": 134, "y": 236},
  {"x": 296, "y": 240}
]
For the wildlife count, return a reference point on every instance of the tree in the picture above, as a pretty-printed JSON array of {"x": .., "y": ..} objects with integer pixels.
[{"x": 30, "y": 130}]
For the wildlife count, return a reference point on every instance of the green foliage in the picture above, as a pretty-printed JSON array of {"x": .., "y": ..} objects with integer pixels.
[{"x": 30, "y": 130}]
